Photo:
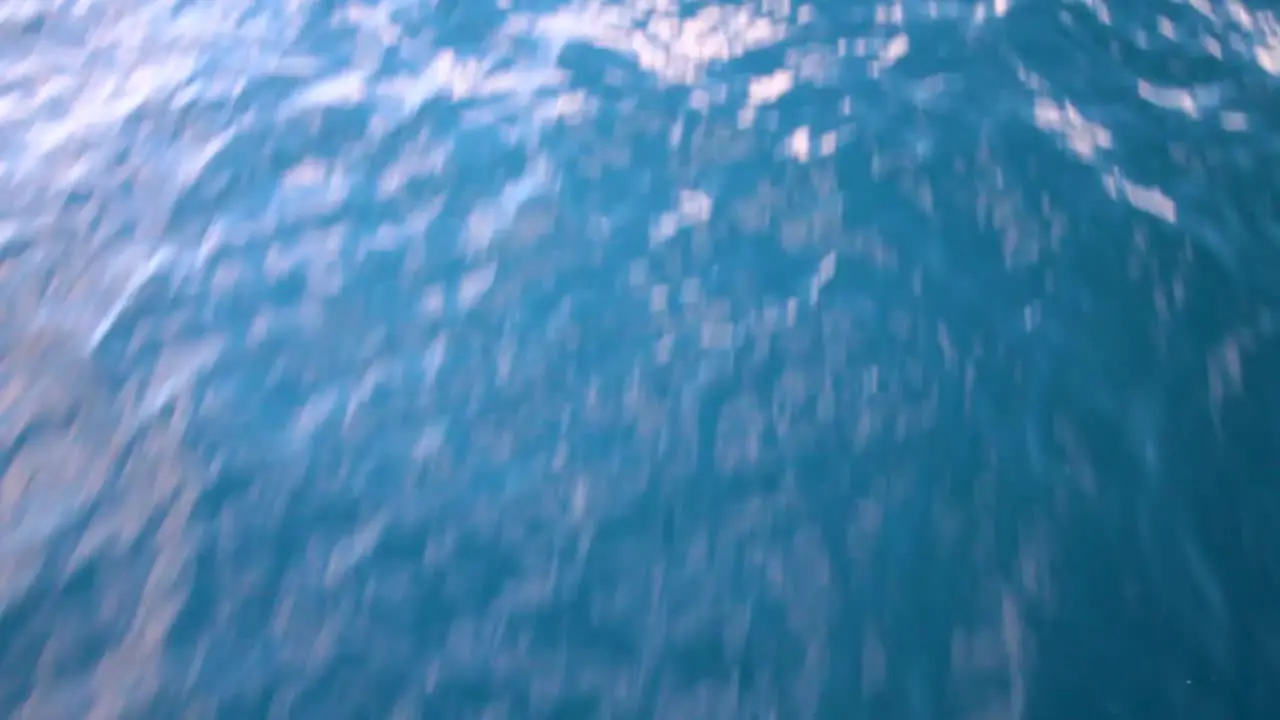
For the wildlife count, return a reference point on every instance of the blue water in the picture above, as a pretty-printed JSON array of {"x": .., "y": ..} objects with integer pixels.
[{"x": 647, "y": 359}]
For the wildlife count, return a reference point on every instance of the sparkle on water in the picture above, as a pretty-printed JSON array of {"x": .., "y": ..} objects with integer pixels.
[{"x": 648, "y": 358}]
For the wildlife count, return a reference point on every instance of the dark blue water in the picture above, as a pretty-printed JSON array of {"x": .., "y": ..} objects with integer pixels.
[{"x": 649, "y": 359}]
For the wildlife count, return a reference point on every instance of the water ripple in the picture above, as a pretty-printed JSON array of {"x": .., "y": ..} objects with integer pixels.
[{"x": 647, "y": 359}]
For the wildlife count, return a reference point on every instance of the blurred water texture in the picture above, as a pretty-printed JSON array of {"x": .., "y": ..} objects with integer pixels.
[{"x": 639, "y": 359}]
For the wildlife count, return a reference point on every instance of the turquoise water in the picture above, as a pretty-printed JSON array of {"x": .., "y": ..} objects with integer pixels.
[{"x": 649, "y": 359}]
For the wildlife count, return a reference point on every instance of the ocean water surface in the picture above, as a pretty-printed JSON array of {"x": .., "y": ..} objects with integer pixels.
[{"x": 639, "y": 359}]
